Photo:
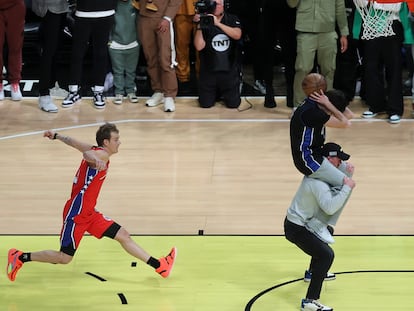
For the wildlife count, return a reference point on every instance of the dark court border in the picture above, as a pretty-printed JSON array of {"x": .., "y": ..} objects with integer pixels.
[{"x": 264, "y": 292}]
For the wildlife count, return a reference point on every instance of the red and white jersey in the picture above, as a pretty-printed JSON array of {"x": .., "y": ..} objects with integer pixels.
[{"x": 85, "y": 191}]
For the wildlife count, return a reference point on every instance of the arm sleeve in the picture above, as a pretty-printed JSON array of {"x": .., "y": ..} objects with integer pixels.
[
  {"x": 330, "y": 201},
  {"x": 341, "y": 18},
  {"x": 343, "y": 169}
]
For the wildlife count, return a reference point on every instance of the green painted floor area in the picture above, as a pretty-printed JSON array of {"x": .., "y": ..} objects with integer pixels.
[{"x": 212, "y": 273}]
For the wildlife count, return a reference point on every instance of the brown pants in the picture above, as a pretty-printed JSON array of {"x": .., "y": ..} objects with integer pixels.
[
  {"x": 184, "y": 32},
  {"x": 157, "y": 52}
]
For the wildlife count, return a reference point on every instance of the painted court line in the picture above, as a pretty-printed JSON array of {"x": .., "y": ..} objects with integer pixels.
[
  {"x": 96, "y": 276},
  {"x": 181, "y": 121},
  {"x": 262, "y": 293},
  {"x": 123, "y": 299}
]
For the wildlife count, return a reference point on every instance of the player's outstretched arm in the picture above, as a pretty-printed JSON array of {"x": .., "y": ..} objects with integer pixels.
[
  {"x": 348, "y": 113},
  {"x": 81, "y": 146}
]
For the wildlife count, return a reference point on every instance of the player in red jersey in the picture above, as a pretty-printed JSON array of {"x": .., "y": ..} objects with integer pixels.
[{"x": 79, "y": 214}]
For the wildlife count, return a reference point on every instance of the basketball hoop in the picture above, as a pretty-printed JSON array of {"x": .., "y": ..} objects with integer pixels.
[{"x": 377, "y": 20}]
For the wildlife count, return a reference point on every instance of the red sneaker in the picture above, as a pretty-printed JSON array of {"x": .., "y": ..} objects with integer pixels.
[
  {"x": 13, "y": 264},
  {"x": 167, "y": 263}
]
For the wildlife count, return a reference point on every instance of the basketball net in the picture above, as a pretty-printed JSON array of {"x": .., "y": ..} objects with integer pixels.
[{"x": 376, "y": 21}]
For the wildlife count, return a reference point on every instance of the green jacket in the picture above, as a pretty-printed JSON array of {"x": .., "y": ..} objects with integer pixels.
[
  {"x": 124, "y": 30},
  {"x": 408, "y": 34},
  {"x": 320, "y": 15}
]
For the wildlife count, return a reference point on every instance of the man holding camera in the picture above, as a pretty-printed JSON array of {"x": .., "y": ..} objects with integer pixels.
[{"x": 216, "y": 39}]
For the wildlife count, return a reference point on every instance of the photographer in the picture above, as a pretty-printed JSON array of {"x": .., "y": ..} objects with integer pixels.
[{"x": 216, "y": 39}]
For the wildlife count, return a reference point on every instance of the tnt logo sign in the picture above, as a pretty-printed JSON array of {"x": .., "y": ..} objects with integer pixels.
[
  {"x": 25, "y": 85},
  {"x": 220, "y": 43}
]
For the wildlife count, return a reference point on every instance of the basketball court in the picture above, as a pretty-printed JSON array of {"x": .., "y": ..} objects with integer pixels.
[{"x": 216, "y": 184}]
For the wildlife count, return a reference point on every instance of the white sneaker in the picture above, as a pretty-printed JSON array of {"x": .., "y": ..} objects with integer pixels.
[
  {"x": 15, "y": 92},
  {"x": 132, "y": 98},
  {"x": 71, "y": 99},
  {"x": 98, "y": 100},
  {"x": 320, "y": 229},
  {"x": 46, "y": 104},
  {"x": 57, "y": 91},
  {"x": 369, "y": 114},
  {"x": 156, "y": 99},
  {"x": 118, "y": 99},
  {"x": 260, "y": 86},
  {"x": 1, "y": 92},
  {"x": 169, "y": 105},
  {"x": 109, "y": 81},
  {"x": 394, "y": 119},
  {"x": 313, "y": 305}
]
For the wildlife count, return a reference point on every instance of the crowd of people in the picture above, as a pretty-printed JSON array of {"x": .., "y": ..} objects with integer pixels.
[{"x": 174, "y": 34}]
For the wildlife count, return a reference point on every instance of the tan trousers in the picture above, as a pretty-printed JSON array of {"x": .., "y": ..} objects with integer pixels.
[
  {"x": 157, "y": 52},
  {"x": 324, "y": 45},
  {"x": 184, "y": 32}
]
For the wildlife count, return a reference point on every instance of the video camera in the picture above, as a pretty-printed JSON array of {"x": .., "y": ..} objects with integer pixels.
[{"x": 205, "y": 7}]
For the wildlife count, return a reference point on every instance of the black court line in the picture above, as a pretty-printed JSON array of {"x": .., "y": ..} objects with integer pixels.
[
  {"x": 121, "y": 296},
  {"x": 262, "y": 293},
  {"x": 96, "y": 276},
  {"x": 123, "y": 299}
]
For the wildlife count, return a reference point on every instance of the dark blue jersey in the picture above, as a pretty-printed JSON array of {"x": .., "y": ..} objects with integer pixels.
[{"x": 307, "y": 136}]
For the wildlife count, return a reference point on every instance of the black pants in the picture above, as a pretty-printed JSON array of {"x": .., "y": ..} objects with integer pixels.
[
  {"x": 276, "y": 23},
  {"x": 51, "y": 30},
  {"x": 322, "y": 255},
  {"x": 223, "y": 85},
  {"x": 346, "y": 71},
  {"x": 93, "y": 31},
  {"x": 381, "y": 54}
]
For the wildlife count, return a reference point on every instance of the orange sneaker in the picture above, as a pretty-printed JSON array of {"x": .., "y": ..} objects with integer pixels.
[
  {"x": 167, "y": 263},
  {"x": 14, "y": 263}
]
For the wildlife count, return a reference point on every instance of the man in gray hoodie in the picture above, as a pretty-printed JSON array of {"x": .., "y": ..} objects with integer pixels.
[{"x": 315, "y": 206}]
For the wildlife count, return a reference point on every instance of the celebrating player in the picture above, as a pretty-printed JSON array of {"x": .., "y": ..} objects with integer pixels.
[{"x": 80, "y": 215}]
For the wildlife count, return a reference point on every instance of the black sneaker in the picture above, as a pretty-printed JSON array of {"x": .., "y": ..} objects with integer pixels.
[
  {"x": 270, "y": 100},
  {"x": 98, "y": 100},
  {"x": 71, "y": 99}
]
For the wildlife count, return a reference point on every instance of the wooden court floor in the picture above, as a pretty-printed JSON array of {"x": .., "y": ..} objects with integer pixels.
[{"x": 225, "y": 173}]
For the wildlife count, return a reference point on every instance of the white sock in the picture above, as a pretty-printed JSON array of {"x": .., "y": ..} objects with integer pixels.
[
  {"x": 73, "y": 88},
  {"x": 98, "y": 89}
]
